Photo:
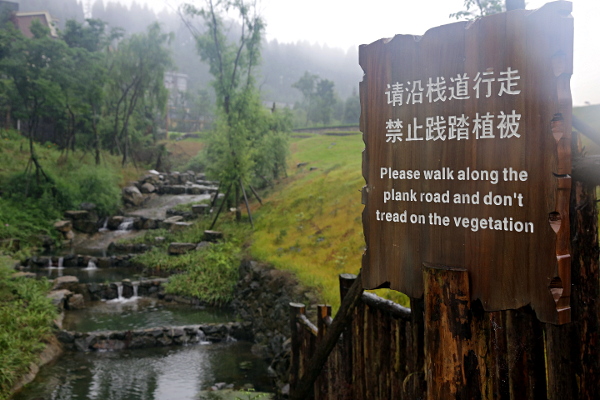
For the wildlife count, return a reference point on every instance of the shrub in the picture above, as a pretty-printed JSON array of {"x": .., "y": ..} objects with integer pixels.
[{"x": 212, "y": 277}]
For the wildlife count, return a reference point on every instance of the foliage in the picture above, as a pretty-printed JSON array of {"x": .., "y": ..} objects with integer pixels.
[
  {"x": 235, "y": 149},
  {"x": 479, "y": 8},
  {"x": 209, "y": 274},
  {"x": 135, "y": 90},
  {"x": 212, "y": 275},
  {"x": 320, "y": 105},
  {"x": 26, "y": 315},
  {"x": 29, "y": 207},
  {"x": 90, "y": 88},
  {"x": 312, "y": 226}
]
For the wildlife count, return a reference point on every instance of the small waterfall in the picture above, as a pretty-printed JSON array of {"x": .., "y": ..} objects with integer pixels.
[
  {"x": 49, "y": 262},
  {"x": 91, "y": 266},
  {"x": 120, "y": 292},
  {"x": 126, "y": 225},
  {"x": 104, "y": 225},
  {"x": 61, "y": 260},
  {"x": 135, "y": 289}
]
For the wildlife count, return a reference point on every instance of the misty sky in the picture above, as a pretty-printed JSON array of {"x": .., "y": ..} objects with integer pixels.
[{"x": 348, "y": 23}]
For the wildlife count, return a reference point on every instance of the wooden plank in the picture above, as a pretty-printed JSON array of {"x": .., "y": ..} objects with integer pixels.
[
  {"x": 509, "y": 267},
  {"x": 451, "y": 365}
]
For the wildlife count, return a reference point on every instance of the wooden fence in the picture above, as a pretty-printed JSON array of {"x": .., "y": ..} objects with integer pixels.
[{"x": 447, "y": 347}]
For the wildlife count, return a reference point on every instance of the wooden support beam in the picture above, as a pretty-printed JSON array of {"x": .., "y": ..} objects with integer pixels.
[
  {"x": 256, "y": 194},
  {"x": 247, "y": 205},
  {"x": 220, "y": 207}
]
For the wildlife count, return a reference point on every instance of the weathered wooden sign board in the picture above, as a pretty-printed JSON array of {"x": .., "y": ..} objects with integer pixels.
[{"x": 467, "y": 135}]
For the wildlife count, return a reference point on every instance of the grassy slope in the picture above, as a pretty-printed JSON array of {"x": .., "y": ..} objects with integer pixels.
[
  {"x": 311, "y": 224},
  {"x": 77, "y": 179},
  {"x": 25, "y": 321}
]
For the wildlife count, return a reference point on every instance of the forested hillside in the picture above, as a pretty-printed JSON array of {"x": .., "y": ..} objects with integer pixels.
[{"x": 283, "y": 64}]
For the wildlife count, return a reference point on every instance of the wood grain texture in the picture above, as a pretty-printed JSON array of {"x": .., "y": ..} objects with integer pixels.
[{"x": 508, "y": 269}]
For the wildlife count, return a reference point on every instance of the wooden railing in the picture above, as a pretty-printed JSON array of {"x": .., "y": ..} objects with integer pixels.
[{"x": 379, "y": 356}]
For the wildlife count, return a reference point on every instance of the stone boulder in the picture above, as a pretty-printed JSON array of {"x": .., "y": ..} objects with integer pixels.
[
  {"x": 76, "y": 215},
  {"x": 75, "y": 302},
  {"x": 181, "y": 248},
  {"x": 179, "y": 226},
  {"x": 114, "y": 222},
  {"x": 68, "y": 282},
  {"x": 132, "y": 196},
  {"x": 58, "y": 297},
  {"x": 166, "y": 224},
  {"x": 86, "y": 226},
  {"x": 200, "y": 209},
  {"x": 23, "y": 274},
  {"x": 148, "y": 188},
  {"x": 213, "y": 236},
  {"x": 63, "y": 226}
]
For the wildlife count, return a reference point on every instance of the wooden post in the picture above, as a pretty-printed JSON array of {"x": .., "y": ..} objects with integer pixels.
[
  {"x": 341, "y": 320},
  {"x": 296, "y": 309},
  {"x": 321, "y": 385},
  {"x": 346, "y": 281},
  {"x": 346, "y": 364},
  {"x": 451, "y": 365}
]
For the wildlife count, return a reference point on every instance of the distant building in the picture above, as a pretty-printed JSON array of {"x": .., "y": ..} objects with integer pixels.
[
  {"x": 175, "y": 82},
  {"x": 23, "y": 21}
]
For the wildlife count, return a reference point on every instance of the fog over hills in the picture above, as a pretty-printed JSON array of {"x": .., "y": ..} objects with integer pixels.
[{"x": 282, "y": 63}]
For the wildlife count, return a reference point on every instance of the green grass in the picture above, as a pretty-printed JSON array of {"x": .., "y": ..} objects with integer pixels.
[
  {"x": 26, "y": 316},
  {"x": 210, "y": 274},
  {"x": 30, "y": 204},
  {"x": 312, "y": 223}
]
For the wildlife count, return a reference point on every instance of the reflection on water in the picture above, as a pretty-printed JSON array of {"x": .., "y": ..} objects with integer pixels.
[
  {"x": 140, "y": 314},
  {"x": 150, "y": 374}
]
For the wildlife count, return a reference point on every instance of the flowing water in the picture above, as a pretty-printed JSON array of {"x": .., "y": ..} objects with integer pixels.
[
  {"x": 140, "y": 313},
  {"x": 151, "y": 374},
  {"x": 164, "y": 373}
]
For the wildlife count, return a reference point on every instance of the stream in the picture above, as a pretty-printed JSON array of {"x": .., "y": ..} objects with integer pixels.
[{"x": 159, "y": 373}]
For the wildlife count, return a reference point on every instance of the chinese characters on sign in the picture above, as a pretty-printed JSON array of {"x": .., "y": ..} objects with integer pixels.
[
  {"x": 461, "y": 163},
  {"x": 456, "y": 127}
]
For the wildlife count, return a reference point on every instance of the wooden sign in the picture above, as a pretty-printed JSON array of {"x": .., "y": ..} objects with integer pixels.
[{"x": 467, "y": 134}]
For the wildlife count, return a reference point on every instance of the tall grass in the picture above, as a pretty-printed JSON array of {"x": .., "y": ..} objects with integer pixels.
[
  {"x": 30, "y": 202},
  {"x": 312, "y": 224},
  {"x": 209, "y": 274},
  {"x": 26, "y": 315}
]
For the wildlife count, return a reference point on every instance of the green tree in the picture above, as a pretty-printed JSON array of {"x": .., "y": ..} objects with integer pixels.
[
  {"x": 234, "y": 147},
  {"x": 352, "y": 109},
  {"x": 479, "y": 8},
  {"x": 34, "y": 70},
  {"x": 319, "y": 99},
  {"x": 307, "y": 85},
  {"x": 135, "y": 90}
]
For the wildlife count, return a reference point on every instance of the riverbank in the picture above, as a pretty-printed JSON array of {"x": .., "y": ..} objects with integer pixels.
[{"x": 26, "y": 336}]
